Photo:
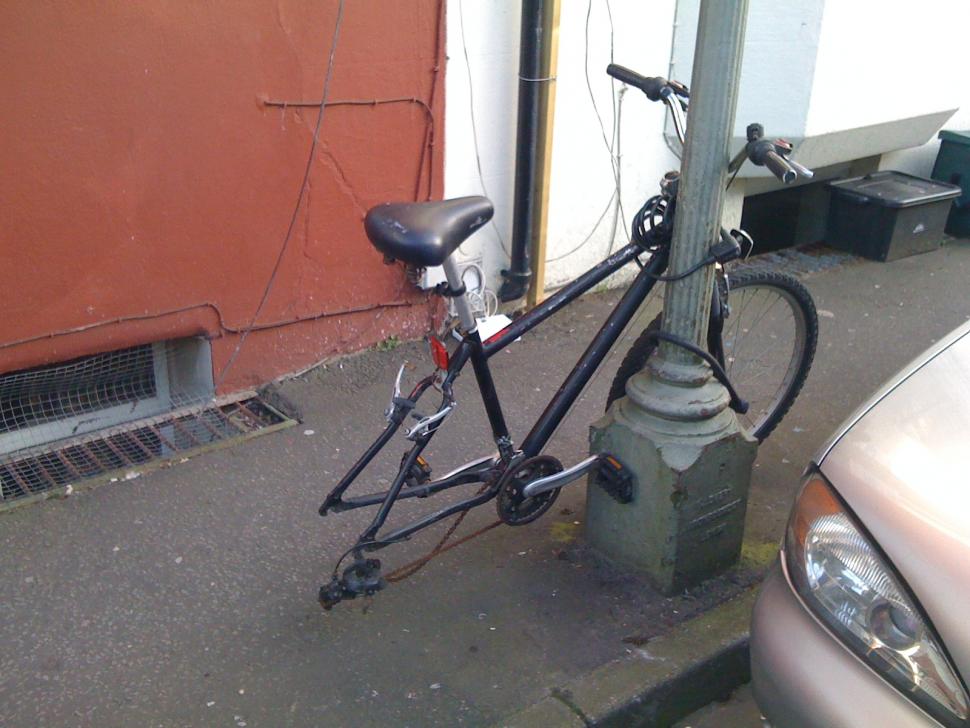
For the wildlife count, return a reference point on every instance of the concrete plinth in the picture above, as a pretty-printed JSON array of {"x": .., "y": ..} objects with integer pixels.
[{"x": 686, "y": 521}]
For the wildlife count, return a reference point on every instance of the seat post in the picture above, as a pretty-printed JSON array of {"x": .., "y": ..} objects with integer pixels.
[{"x": 465, "y": 315}]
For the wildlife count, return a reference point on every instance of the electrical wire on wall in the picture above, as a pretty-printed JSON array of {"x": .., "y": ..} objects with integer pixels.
[
  {"x": 672, "y": 144},
  {"x": 220, "y": 326},
  {"x": 612, "y": 145},
  {"x": 471, "y": 106},
  {"x": 611, "y": 142},
  {"x": 299, "y": 198}
]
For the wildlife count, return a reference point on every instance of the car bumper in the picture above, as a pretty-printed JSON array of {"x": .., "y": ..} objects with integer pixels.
[{"x": 804, "y": 678}]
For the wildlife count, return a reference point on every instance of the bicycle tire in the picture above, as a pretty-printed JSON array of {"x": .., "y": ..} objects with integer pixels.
[{"x": 805, "y": 324}]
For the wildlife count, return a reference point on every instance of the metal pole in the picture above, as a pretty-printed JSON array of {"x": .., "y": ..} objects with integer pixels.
[
  {"x": 673, "y": 430},
  {"x": 714, "y": 95}
]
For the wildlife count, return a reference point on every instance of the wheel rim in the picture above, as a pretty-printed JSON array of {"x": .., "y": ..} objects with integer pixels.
[{"x": 764, "y": 339}]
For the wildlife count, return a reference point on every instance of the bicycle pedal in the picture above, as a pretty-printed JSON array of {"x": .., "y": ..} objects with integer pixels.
[{"x": 616, "y": 479}]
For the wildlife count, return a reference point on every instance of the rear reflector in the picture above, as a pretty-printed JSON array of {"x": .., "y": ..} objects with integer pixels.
[{"x": 439, "y": 354}]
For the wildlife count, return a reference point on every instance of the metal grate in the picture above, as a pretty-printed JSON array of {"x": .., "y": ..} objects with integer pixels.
[
  {"x": 800, "y": 261},
  {"x": 46, "y": 394},
  {"x": 25, "y": 475},
  {"x": 47, "y": 404}
]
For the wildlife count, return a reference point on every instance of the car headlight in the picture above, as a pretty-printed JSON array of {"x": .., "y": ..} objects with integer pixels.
[{"x": 848, "y": 584}]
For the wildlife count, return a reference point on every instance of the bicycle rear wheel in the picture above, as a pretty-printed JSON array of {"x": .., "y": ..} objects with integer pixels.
[{"x": 769, "y": 339}]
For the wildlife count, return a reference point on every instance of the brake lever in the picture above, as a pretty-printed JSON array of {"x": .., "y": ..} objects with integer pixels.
[
  {"x": 396, "y": 394},
  {"x": 739, "y": 159},
  {"x": 678, "y": 88}
]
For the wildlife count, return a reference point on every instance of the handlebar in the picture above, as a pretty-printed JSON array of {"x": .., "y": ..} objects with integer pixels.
[
  {"x": 657, "y": 88},
  {"x": 779, "y": 167},
  {"x": 651, "y": 86},
  {"x": 762, "y": 152},
  {"x": 773, "y": 155}
]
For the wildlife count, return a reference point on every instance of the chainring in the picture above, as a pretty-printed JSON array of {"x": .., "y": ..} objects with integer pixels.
[{"x": 516, "y": 509}]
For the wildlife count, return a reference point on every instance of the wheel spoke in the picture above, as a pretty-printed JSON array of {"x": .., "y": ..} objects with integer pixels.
[{"x": 768, "y": 348}]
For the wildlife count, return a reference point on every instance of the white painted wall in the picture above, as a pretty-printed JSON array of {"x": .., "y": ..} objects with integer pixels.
[
  {"x": 881, "y": 60},
  {"x": 485, "y": 84},
  {"x": 842, "y": 79},
  {"x": 925, "y": 61},
  {"x": 812, "y": 70},
  {"x": 781, "y": 41},
  {"x": 582, "y": 172}
]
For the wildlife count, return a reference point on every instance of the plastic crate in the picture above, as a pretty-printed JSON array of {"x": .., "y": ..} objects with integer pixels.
[
  {"x": 953, "y": 166},
  {"x": 888, "y": 215}
]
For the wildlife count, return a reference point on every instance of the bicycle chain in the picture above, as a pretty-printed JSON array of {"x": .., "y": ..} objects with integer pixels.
[{"x": 410, "y": 569}]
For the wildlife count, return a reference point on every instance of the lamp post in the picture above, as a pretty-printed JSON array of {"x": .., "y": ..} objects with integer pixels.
[{"x": 691, "y": 460}]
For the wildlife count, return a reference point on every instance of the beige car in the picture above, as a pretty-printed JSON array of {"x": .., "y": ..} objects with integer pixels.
[{"x": 866, "y": 619}]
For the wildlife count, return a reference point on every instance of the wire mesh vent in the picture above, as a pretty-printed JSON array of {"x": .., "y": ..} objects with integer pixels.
[
  {"x": 46, "y": 394},
  {"x": 23, "y": 476},
  {"x": 46, "y": 404}
]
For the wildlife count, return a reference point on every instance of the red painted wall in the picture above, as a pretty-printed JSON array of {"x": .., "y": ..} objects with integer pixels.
[{"x": 147, "y": 187}]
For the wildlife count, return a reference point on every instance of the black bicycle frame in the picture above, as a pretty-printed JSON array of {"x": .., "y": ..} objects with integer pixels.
[{"x": 473, "y": 348}]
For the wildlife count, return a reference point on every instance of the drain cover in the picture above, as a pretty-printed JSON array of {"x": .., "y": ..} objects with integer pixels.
[{"x": 42, "y": 472}]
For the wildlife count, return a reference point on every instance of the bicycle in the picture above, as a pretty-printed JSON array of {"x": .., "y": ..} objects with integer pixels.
[{"x": 522, "y": 480}]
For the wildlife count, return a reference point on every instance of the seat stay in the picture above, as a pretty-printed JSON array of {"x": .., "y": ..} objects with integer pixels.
[
  {"x": 469, "y": 474},
  {"x": 391, "y": 496},
  {"x": 405, "y": 531}
]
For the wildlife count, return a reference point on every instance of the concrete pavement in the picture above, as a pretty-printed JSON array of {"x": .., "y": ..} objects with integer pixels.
[{"x": 186, "y": 597}]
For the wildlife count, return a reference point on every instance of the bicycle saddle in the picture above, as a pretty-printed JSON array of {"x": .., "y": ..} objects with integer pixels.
[{"x": 425, "y": 233}]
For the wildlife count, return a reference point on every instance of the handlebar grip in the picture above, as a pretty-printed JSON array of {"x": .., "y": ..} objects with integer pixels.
[
  {"x": 780, "y": 167},
  {"x": 651, "y": 86},
  {"x": 803, "y": 171}
]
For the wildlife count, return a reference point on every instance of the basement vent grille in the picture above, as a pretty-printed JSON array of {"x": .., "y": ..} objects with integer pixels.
[
  {"x": 107, "y": 414},
  {"x": 70, "y": 399},
  {"x": 116, "y": 453},
  {"x": 47, "y": 394}
]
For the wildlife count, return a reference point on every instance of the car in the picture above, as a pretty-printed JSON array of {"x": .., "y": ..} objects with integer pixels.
[{"x": 865, "y": 618}]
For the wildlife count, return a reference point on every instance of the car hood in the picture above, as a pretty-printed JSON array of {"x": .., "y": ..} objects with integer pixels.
[{"x": 902, "y": 464}]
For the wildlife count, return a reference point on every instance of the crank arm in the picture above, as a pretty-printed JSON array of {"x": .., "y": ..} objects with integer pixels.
[
  {"x": 564, "y": 477},
  {"x": 612, "y": 476}
]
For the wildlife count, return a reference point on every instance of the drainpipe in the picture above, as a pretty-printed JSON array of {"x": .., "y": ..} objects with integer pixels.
[{"x": 531, "y": 48}]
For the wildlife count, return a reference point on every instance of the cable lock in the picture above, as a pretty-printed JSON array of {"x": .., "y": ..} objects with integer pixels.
[
  {"x": 726, "y": 249},
  {"x": 737, "y": 404}
]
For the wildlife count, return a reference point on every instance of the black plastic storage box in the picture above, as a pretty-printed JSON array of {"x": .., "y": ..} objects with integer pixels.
[
  {"x": 888, "y": 215},
  {"x": 953, "y": 166}
]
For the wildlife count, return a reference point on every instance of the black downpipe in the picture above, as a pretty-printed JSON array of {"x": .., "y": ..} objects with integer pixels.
[{"x": 519, "y": 273}]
